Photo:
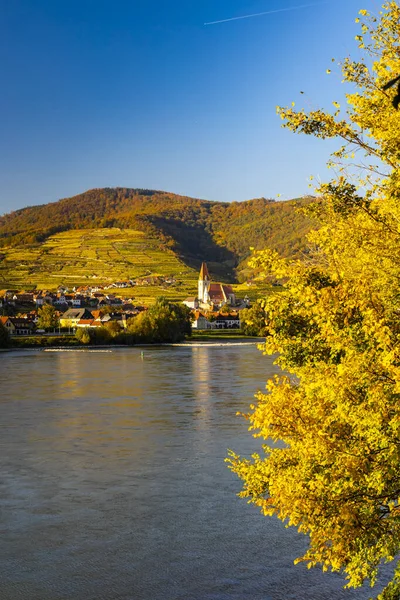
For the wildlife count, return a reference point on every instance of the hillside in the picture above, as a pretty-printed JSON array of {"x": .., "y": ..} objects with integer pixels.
[
  {"x": 106, "y": 233},
  {"x": 90, "y": 256}
]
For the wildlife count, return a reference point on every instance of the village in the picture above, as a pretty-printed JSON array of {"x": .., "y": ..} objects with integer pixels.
[{"x": 214, "y": 307}]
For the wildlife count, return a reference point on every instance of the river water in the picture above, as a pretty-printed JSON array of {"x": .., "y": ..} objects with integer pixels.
[{"x": 114, "y": 487}]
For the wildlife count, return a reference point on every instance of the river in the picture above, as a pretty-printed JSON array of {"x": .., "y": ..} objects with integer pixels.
[{"x": 114, "y": 487}]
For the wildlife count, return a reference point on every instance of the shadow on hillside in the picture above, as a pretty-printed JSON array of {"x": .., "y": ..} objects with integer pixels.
[{"x": 195, "y": 244}]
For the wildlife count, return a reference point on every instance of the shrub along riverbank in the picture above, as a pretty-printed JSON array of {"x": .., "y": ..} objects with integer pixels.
[{"x": 54, "y": 341}]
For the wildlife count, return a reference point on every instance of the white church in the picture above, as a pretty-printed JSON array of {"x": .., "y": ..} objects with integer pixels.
[{"x": 210, "y": 295}]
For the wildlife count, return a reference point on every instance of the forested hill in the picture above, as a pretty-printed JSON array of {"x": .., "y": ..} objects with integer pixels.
[{"x": 194, "y": 229}]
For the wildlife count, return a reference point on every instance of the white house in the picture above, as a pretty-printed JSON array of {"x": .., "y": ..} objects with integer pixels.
[
  {"x": 200, "y": 321},
  {"x": 191, "y": 302}
]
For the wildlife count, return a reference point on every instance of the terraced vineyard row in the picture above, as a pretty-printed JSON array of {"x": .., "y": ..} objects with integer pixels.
[{"x": 82, "y": 257}]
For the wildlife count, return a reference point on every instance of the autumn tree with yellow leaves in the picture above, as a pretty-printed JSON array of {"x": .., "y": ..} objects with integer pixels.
[{"x": 336, "y": 327}]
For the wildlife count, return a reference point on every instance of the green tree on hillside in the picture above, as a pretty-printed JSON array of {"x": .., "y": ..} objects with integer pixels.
[
  {"x": 113, "y": 327},
  {"x": 336, "y": 327},
  {"x": 162, "y": 322},
  {"x": 47, "y": 317},
  {"x": 93, "y": 335},
  {"x": 82, "y": 335},
  {"x": 4, "y": 337}
]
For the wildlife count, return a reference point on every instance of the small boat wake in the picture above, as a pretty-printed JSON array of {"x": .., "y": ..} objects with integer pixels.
[{"x": 73, "y": 350}]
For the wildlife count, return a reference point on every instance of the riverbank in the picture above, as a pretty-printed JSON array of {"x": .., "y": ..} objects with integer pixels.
[
  {"x": 218, "y": 334},
  {"x": 57, "y": 341},
  {"x": 231, "y": 341}
]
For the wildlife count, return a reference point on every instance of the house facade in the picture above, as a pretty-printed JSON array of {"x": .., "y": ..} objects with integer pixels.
[
  {"x": 227, "y": 321},
  {"x": 191, "y": 302},
  {"x": 18, "y": 325},
  {"x": 72, "y": 317},
  {"x": 200, "y": 321}
]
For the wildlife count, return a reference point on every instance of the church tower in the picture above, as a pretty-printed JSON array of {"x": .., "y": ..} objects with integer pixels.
[{"x": 204, "y": 284}]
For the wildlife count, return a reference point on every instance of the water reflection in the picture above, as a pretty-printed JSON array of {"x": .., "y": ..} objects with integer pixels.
[
  {"x": 200, "y": 359},
  {"x": 114, "y": 484}
]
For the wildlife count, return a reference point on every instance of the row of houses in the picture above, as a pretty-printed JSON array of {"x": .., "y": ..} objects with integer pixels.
[
  {"x": 79, "y": 294},
  {"x": 78, "y": 298},
  {"x": 75, "y": 318},
  {"x": 148, "y": 280},
  {"x": 61, "y": 300},
  {"x": 82, "y": 317},
  {"x": 27, "y": 323},
  {"x": 215, "y": 321}
]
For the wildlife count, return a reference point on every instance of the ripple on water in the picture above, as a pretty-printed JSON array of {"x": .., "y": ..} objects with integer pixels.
[{"x": 114, "y": 484}]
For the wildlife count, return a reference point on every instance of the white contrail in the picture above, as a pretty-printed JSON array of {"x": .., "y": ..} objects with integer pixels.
[{"x": 268, "y": 12}]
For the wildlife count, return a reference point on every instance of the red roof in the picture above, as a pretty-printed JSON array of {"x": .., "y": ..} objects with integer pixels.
[
  {"x": 198, "y": 314},
  {"x": 227, "y": 289},
  {"x": 97, "y": 313},
  {"x": 216, "y": 292}
]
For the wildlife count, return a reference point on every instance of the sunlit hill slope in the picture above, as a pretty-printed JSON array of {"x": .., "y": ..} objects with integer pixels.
[{"x": 118, "y": 233}]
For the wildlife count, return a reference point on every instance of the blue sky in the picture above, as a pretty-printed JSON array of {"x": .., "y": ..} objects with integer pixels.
[{"x": 135, "y": 93}]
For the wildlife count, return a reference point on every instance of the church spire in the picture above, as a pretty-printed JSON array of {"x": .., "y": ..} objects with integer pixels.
[
  {"x": 203, "y": 284},
  {"x": 204, "y": 272}
]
